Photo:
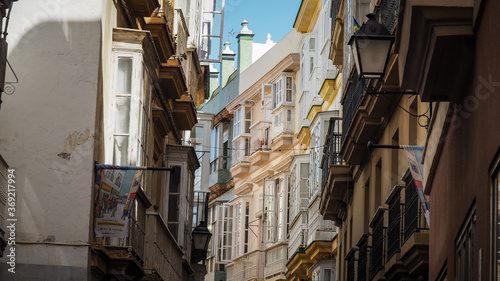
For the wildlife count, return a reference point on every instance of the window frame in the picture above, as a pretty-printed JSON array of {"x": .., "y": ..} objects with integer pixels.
[
  {"x": 138, "y": 104},
  {"x": 466, "y": 237},
  {"x": 494, "y": 174}
]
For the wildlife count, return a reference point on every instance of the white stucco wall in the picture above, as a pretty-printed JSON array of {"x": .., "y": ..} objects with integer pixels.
[{"x": 47, "y": 125}]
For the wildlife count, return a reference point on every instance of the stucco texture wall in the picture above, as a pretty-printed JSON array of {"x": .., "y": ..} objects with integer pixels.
[{"x": 47, "y": 126}]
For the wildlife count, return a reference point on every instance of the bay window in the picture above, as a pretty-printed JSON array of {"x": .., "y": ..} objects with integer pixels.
[
  {"x": 283, "y": 110},
  {"x": 240, "y": 234},
  {"x": 130, "y": 109},
  {"x": 225, "y": 241},
  {"x": 219, "y": 147},
  {"x": 299, "y": 189},
  {"x": 274, "y": 221},
  {"x": 214, "y": 149},
  {"x": 241, "y": 134},
  {"x": 269, "y": 213}
]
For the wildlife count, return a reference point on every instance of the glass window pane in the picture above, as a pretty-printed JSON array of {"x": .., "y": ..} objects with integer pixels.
[
  {"x": 289, "y": 95},
  {"x": 124, "y": 76},
  {"x": 173, "y": 208},
  {"x": 175, "y": 180},
  {"x": 122, "y": 115},
  {"x": 328, "y": 275},
  {"x": 120, "y": 150},
  {"x": 312, "y": 44},
  {"x": 247, "y": 126}
]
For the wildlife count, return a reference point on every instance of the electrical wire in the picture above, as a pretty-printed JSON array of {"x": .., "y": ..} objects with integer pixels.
[
  {"x": 243, "y": 149},
  {"x": 426, "y": 125}
]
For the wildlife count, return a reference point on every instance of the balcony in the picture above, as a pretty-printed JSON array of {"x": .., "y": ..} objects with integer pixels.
[
  {"x": 181, "y": 34},
  {"x": 162, "y": 36},
  {"x": 395, "y": 269},
  {"x": 331, "y": 155},
  {"x": 307, "y": 15},
  {"x": 260, "y": 149},
  {"x": 240, "y": 169},
  {"x": 337, "y": 193},
  {"x": 337, "y": 46},
  {"x": 282, "y": 128},
  {"x": 319, "y": 229},
  {"x": 241, "y": 152},
  {"x": 184, "y": 113},
  {"x": 142, "y": 8},
  {"x": 163, "y": 257},
  {"x": 350, "y": 258},
  {"x": 364, "y": 119},
  {"x": 330, "y": 89},
  {"x": 377, "y": 253},
  {"x": 304, "y": 135},
  {"x": 167, "y": 8},
  {"x": 276, "y": 258},
  {"x": 415, "y": 248},
  {"x": 388, "y": 10},
  {"x": 172, "y": 79},
  {"x": 363, "y": 252},
  {"x": 405, "y": 254},
  {"x": 220, "y": 176},
  {"x": 244, "y": 268}
]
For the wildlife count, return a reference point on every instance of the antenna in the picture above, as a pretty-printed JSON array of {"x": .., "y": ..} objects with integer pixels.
[{"x": 230, "y": 33}]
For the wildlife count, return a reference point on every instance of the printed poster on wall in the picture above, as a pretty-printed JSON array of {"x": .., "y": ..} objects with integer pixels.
[{"x": 114, "y": 195}]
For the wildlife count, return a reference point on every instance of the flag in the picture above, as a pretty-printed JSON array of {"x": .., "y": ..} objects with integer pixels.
[
  {"x": 356, "y": 24},
  {"x": 114, "y": 197},
  {"x": 414, "y": 154}
]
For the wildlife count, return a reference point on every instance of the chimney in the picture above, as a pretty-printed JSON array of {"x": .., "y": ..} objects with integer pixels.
[
  {"x": 245, "y": 41},
  {"x": 227, "y": 65}
]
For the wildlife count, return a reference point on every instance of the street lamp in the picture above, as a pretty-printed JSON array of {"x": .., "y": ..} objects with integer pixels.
[
  {"x": 371, "y": 46},
  {"x": 201, "y": 238}
]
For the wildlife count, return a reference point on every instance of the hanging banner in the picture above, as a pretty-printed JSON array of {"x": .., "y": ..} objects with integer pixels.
[
  {"x": 414, "y": 154},
  {"x": 114, "y": 195}
]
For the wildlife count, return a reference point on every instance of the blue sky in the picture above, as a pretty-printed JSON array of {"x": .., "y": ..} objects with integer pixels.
[{"x": 264, "y": 16}]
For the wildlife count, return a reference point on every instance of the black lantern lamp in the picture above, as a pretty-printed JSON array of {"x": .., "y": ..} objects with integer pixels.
[
  {"x": 371, "y": 46},
  {"x": 201, "y": 238}
]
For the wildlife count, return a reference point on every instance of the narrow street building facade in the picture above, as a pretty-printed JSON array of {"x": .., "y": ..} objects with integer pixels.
[
  {"x": 371, "y": 195},
  {"x": 102, "y": 82},
  {"x": 313, "y": 238}
]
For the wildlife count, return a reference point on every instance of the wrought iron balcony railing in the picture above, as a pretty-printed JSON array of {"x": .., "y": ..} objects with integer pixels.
[
  {"x": 363, "y": 257},
  {"x": 377, "y": 252},
  {"x": 413, "y": 214},
  {"x": 388, "y": 12},
  {"x": 394, "y": 229},
  {"x": 350, "y": 258},
  {"x": 331, "y": 150},
  {"x": 351, "y": 102}
]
